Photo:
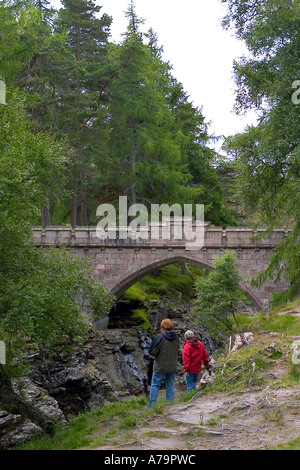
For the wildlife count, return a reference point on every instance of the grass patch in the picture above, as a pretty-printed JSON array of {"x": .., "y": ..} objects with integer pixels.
[
  {"x": 179, "y": 280},
  {"x": 286, "y": 324},
  {"x": 169, "y": 280},
  {"x": 195, "y": 432},
  {"x": 291, "y": 445},
  {"x": 245, "y": 299},
  {"x": 292, "y": 305},
  {"x": 141, "y": 319},
  {"x": 245, "y": 367},
  {"x": 156, "y": 434},
  {"x": 211, "y": 422},
  {"x": 294, "y": 372},
  {"x": 136, "y": 292},
  {"x": 166, "y": 280},
  {"x": 292, "y": 375},
  {"x": 274, "y": 416},
  {"x": 96, "y": 427},
  {"x": 187, "y": 396}
]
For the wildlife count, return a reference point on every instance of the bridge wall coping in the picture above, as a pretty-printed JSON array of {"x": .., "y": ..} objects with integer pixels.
[{"x": 231, "y": 237}]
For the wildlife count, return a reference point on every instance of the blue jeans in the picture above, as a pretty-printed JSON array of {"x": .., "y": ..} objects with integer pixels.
[
  {"x": 191, "y": 380},
  {"x": 157, "y": 379}
]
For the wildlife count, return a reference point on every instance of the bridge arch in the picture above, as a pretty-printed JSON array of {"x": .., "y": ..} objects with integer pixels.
[
  {"x": 120, "y": 288},
  {"x": 120, "y": 263}
]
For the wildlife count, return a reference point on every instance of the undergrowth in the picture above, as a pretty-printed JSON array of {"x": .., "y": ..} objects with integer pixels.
[
  {"x": 167, "y": 280},
  {"x": 94, "y": 428}
]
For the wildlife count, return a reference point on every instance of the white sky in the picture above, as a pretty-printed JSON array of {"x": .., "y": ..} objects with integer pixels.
[{"x": 197, "y": 47}]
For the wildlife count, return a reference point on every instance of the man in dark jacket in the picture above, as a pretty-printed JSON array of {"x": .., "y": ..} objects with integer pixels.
[
  {"x": 165, "y": 349},
  {"x": 194, "y": 355}
]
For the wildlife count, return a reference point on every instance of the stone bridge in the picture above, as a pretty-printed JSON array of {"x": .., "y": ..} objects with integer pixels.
[{"x": 122, "y": 262}]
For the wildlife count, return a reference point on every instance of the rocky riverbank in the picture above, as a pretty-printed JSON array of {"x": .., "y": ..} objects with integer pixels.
[{"x": 110, "y": 365}]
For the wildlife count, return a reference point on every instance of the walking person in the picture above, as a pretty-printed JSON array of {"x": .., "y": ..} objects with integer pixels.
[
  {"x": 164, "y": 348},
  {"x": 194, "y": 355}
]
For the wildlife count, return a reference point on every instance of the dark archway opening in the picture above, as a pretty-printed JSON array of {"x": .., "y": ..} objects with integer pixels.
[
  {"x": 155, "y": 296},
  {"x": 163, "y": 291}
]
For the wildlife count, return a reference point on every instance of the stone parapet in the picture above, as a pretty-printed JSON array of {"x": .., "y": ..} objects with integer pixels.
[{"x": 231, "y": 237}]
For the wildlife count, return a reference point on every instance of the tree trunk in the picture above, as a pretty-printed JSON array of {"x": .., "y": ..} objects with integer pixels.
[
  {"x": 74, "y": 206},
  {"x": 133, "y": 163},
  {"x": 236, "y": 322},
  {"x": 184, "y": 269},
  {"x": 14, "y": 404},
  {"x": 46, "y": 220},
  {"x": 83, "y": 201}
]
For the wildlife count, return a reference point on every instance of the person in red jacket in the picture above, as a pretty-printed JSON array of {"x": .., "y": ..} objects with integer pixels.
[{"x": 194, "y": 355}]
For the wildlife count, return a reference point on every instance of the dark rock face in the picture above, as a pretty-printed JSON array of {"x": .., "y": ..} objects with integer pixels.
[
  {"x": 15, "y": 428},
  {"x": 107, "y": 367}
]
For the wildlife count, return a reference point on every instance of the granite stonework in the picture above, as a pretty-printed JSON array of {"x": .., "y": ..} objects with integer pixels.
[{"x": 122, "y": 261}]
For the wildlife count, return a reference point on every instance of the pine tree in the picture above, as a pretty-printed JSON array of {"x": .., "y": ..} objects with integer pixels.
[
  {"x": 86, "y": 40},
  {"x": 63, "y": 73},
  {"x": 199, "y": 157},
  {"x": 29, "y": 61},
  {"x": 267, "y": 155},
  {"x": 144, "y": 140}
]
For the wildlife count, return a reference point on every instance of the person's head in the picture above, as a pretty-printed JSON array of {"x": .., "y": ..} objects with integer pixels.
[
  {"x": 189, "y": 335},
  {"x": 166, "y": 325}
]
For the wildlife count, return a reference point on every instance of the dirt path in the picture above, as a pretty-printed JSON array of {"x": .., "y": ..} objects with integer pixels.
[
  {"x": 256, "y": 419},
  {"x": 259, "y": 417}
]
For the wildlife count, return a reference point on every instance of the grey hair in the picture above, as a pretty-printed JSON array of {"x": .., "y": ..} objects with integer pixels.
[{"x": 189, "y": 334}]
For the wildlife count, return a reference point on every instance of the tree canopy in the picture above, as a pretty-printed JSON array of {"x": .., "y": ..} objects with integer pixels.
[
  {"x": 267, "y": 155},
  {"x": 118, "y": 106},
  {"x": 218, "y": 294}
]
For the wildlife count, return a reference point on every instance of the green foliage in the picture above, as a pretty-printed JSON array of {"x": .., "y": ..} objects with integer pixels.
[
  {"x": 294, "y": 372},
  {"x": 143, "y": 137},
  {"x": 30, "y": 164},
  {"x": 267, "y": 156},
  {"x": 218, "y": 294},
  {"x": 227, "y": 174},
  {"x": 187, "y": 396},
  {"x": 141, "y": 318},
  {"x": 284, "y": 263},
  {"x": 279, "y": 319},
  {"x": 172, "y": 280},
  {"x": 135, "y": 292},
  {"x": 119, "y": 108},
  {"x": 167, "y": 280},
  {"x": 291, "y": 445},
  {"x": 287, "y": 324},
  {"x": 41, "y": 291}
]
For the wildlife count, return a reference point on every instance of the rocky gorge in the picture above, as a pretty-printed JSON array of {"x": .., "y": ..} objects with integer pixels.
[{"x": 111, "y": 364}]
